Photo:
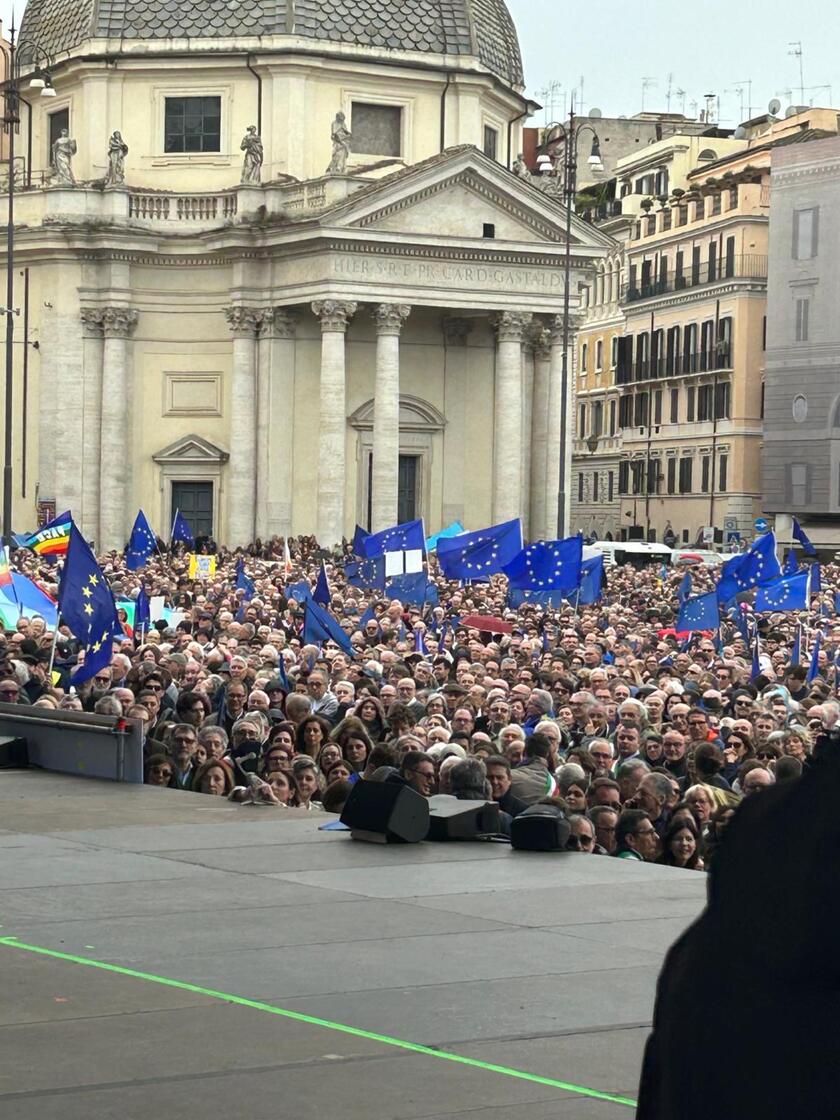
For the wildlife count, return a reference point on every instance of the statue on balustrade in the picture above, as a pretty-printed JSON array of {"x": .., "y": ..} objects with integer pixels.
[
  {"x": 117, "y": 151},
  {"x": 341, "y": 137},
  {"x": 62, "y": 154},
  {"x": 252, "y": 146}
]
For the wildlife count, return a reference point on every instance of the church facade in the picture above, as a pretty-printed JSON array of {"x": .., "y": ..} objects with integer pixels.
[{"x": 279, "y": 275}]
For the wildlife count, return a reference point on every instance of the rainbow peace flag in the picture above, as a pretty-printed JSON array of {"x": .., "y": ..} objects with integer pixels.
[
  {"x": 5, "y": 569},
  {"x": 52, "y": 539}
]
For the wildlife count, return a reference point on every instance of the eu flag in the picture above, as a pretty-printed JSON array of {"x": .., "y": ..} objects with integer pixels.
[
  {"x": 181, "y": 530},
  {"x": 141, "y": 543},
  {"x": 800, "y": 537},
  {"x": 321, "y": 594},
  {"x": 816, "y": 580},
  {"x": 791, "y": 563},
  {"x": 359, "y": 538},
  {"x": 547, "y": 565},
  {"x": 796, "y": 654},
  {"x": 413, "y": 588},
  {"x": 319, "y": 626},
  {"x": 368, "y": 616},
  {"x": 407, "y": 537},
  {"x": 142, "y": 611},
  {"x": 366, "y": 573},
  {"x": 300, "y": 592},
  {"x": 591, "y": 581},
  {"x": 542, "y": 599},
  {"x": 86, "y": 604},
  {"x": 684, "y": 590},
  {"x": 814, "y": 668},
  {"x": 700, "y": 613},
  {"x": 757, "y": 565},
  {"x": 480, "y": 554},
  {"x": 420, "y": 644},
  {"x": 244, "y": 582},
  {"x": 787, "y": 593}
]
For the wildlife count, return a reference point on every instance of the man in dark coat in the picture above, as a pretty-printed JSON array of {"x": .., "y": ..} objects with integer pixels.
[{"x": 746, "y": 1019}]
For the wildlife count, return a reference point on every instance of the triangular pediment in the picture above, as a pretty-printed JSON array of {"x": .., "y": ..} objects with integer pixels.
[
  {"x": 459, "y": 195},
  {"x": 191, "y": 449}
]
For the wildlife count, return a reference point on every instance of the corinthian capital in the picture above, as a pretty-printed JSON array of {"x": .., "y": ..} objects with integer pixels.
[
  {"x": 243, "y": 321},
  {"x": 390, "y": 317},
  {"x": 277, "y": 322},
  {"x": 118, "y": 322},
  {"x": 511, "y": 325},
  {"x": 91, "y": 321},
  {"x": 334, "y": 314}
]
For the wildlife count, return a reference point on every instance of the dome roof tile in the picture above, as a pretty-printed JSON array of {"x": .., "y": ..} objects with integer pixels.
[{"x": 481, "y": 28}]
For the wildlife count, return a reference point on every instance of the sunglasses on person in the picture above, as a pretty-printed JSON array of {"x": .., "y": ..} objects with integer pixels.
[
  {"x": 9, "y": 692},
  {"x": 766, "y": 755}
]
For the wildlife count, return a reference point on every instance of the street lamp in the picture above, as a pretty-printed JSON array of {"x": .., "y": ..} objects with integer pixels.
[
  {"x": 570, "y": 133},
  {"x": 41, "y": 80}
]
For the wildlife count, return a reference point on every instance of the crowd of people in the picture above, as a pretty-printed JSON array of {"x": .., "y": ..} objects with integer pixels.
[{"x": 647, "y": 740}]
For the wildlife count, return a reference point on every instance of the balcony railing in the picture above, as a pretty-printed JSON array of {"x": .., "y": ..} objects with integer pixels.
[
  {"x": 161, "y": 207},
  {"x": 675, "y": 365},
  {"x": 752, "y": 266}
]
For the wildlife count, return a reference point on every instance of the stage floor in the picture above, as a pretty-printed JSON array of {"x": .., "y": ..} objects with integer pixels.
[{"x": 542, "y": 964}]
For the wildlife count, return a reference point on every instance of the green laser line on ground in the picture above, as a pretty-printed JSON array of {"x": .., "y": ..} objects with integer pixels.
[{"x": 327, "y": 1024}]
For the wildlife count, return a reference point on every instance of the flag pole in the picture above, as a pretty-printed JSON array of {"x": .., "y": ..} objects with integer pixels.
[{"x": 53, "y": 647}]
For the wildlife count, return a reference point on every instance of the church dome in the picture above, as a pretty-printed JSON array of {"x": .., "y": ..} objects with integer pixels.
[{"x": 481, "y": 29}]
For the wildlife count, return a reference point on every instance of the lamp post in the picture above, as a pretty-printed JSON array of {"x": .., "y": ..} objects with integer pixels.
[
  {"x": 570, "y": 133},
  {"x": 40, "y": 80}
]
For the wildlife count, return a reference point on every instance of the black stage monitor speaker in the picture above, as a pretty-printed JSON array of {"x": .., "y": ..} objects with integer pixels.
[
  {"x": 540, "y": 828},
  {"x": 14, "y": 753},
  {"x": 451, "y": 819},
  {"x": 386, "y": 813}
]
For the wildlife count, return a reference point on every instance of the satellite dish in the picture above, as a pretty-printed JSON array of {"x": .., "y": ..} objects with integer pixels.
[
  {"x": 790, "y": 111},
  {"x": 774, "y": 107},
  {"x": 740, "y": 133},
  {"x": 595, "y": 114}
]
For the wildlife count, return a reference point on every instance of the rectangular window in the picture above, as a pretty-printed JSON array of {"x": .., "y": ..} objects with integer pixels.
[
  {"x": 58, "y": 121},
  {"x": 672, "y": 476},
  {"x": 653, "y": 476},
  {"x": 623, "y": 477},
  {"x": 193, "y": 124},
  {"x": 722, "y": 400},
  {"x": 594, "y": 486},
  {"x": 599, "y": 355},
  {"x": 729, "y": 265},
  {"x": 612, "y": 418},
  {"x": 723, "y": 465},
  {"x": 584, "y": 358},
  {"x": 704, "y": 402},
  {"x": 805, "y": 233},
  {"x": 686, "y": 471},
  {"x": 610, "y": 486},
  {"x": 802, "y": 308},
  {"x": 582, "y": 421},
  {"x": 712, "y": 260},
  {"x": 798, "y": 489},
  {"x": 377, "y": 129},
  {"x": 679, "y": 279},
  {"x": 580, "y": 486},
  {"x": 705, "y": 464},
  {"x": 598, "y": 418},
  {"x": 695, "y": 264},
  {"x": 625, "y": 411},
  {"x": 491, "y": 142},
  {"x": 657, "y": 407},
  {"x": 613, "y": 353},
  {"x": 675, "y": 406},
  {"x": 689, "y": 404},
  {"x": 642, "y": 410}
]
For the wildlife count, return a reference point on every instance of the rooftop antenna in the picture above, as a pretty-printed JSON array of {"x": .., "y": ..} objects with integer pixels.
[
  {"x": 548, "y": 96},
  {"x": 692, "y": 108},
  {"x": 797, "y": 53},
  {"x": 744, "y": 84},
  {"x": 668, "y": 93},
  {"x": 710, "y": 99},
  {"x": 680, "y": 93},
  {"x": 818, "y": 89},
  {"x": 646, "y": 85}
]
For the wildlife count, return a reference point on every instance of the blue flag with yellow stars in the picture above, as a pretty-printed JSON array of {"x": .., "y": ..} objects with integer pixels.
[
  {"x": 86, "y": 604},
  {"x": 322, "y": 594},
  {"x": 181, "y": 531},
  {"x": 787, "y": 593},
  {"x": 755, "y": 566},
  {"x": 408, "y": 537},
  {"x": 142, "y": 611},
  {"x": 480, "y": 554},
  {"x": 141, "y": 543},
  {"x": 547, "y": 565},
  {"x": 700, "y": 613}
]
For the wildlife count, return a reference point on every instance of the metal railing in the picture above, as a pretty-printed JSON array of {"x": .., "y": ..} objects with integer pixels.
[
  {"x": 674, "y": 365},
  {"x": 752, "y": 266}
]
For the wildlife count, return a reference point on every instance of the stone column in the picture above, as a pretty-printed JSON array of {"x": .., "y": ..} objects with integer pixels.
[
  {"x": 242, "y": 474},
  {"x": 455, "y": 396},
  {"x": 529, "y": 341},
  {"x": 275, "y": 422},
  {"x": 389, "y": 319},
  {"x": 507, "y": 426},
  {"x": 539, "y": 435},
  {"x": 92, "y": 353},
  {"x": 335, "y": 317},
  {"x": 115, "y": 451}
]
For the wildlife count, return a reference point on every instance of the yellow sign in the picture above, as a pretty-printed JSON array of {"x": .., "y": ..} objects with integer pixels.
[{"x": 202, "y": 567}]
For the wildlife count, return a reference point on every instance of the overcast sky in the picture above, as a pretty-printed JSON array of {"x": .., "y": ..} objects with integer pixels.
[{"x": 615, "y": 46}]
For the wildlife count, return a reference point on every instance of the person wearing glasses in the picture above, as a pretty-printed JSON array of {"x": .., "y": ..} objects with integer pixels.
[
  {"x": 635, "y": 837},
  {"x": 10, "y": 692},
  {"x": 418, "y": 771}
]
